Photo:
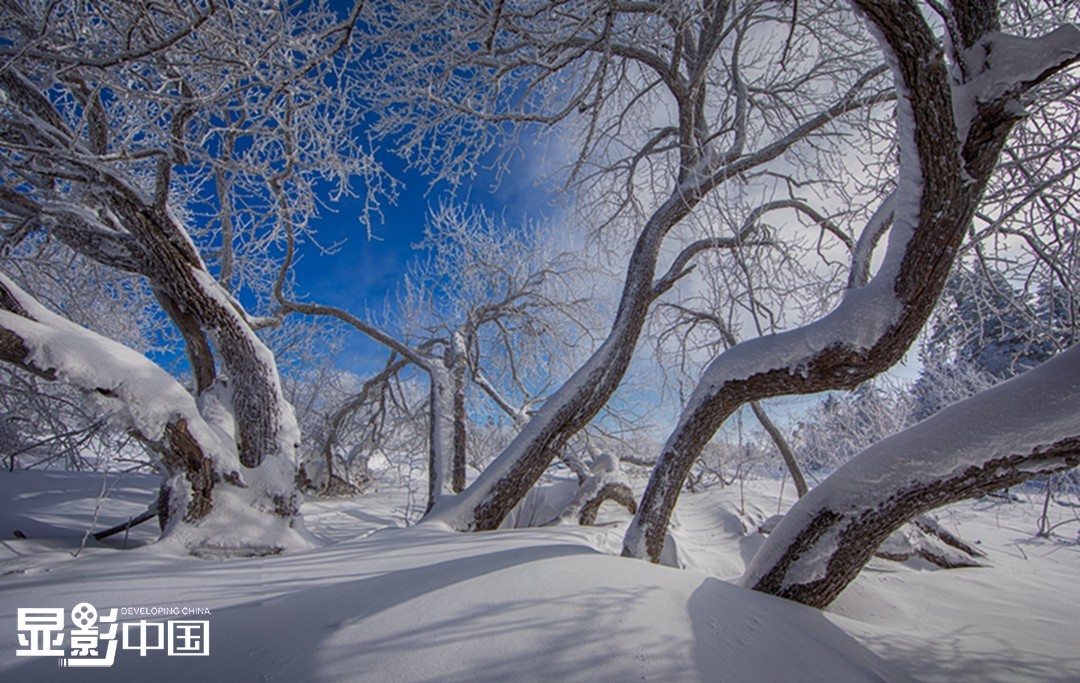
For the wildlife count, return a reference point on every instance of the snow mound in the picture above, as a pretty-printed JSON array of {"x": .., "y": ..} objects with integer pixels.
[{"x": 423, "y": 604}]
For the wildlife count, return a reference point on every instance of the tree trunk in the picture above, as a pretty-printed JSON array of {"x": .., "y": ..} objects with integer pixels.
[
  {"x": 206, "y": 490},
  {"x": 447, "y": 445},
  {"x": 783, "y": 446},
  {"x": 1021, "y": 429},
  {"x": 441, "y": 432},
  {"x": 614, "y": 491},
  {"x": 937, "y": 194},
  {"x": 485, "y": 504},
  {"x": 458, "y": 373}
]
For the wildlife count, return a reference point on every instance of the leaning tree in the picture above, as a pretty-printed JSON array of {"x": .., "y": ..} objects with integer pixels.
[
  {"x": 662, "y": 110},
  {"x": 959, "y": 96},
  {"x": 174, "y": 141}
]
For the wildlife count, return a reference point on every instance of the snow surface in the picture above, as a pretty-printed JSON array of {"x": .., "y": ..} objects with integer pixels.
[{"x": 376, "y": 602}]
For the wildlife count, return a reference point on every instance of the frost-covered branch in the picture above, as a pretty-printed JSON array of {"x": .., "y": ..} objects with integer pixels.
[
  {"x": 946, "y": 161},
  {"x": 1021, "y": 429}
]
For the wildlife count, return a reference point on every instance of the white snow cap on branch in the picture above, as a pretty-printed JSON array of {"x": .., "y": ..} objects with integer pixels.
[
  {"x": 1022, "y": 417},
  {"x": 1002, "y": 65},
  {"x": 139, "y": 393}
]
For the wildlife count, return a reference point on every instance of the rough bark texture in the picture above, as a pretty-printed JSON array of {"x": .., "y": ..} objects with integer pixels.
[
  {"x": 921, "y": 538},
  {"x": 860, "y": 532},
  {"x": 1024, "y": 428},
  {"x": 615, "y": 491},
  {"x": 457, "y": 468},
  {"x": 582, "y": 397},
  {"x": 950, "y": 190},
  {"x": 200, "y": 356},
  {"x": 180, "y": 452},
  {"x": 256, "y": 394}
]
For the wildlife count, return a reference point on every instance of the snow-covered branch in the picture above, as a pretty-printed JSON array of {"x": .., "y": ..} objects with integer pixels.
[
  {"x": 942, "y": 176},
  {"x": 1021, "y": 429}
]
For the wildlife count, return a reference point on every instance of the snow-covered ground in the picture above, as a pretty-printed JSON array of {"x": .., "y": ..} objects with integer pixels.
[{"x": 378, "y": 602}]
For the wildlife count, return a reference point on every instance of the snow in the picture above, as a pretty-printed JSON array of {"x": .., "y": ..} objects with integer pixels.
[
  {"x": 1001, "y": 63},
  {"x": 138, "y": 393},
  {"x": 1017, "y": 417},
  {"x": 382, "y": 603}
]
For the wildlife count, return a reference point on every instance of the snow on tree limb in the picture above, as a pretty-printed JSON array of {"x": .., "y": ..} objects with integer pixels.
[
  {"x": 141, "y": 397},
  {"x": 943, "y": 174},
  {"x": 1001, "y": 65},
  {"x": 1023, "y": 428},
  {"x": 59, "y": 349},
  {"x": 214, "y": 503}
]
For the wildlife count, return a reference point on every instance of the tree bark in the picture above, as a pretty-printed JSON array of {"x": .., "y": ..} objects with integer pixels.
[
  {"x": 614, "y": 491},
  {"x": 783, "y": 446},
  {"x": 121, "y": 226},
  {"x": 441, "y": 433},
  {"x": 938, "y": 192},
  {"x": 1021, "y": 429}
]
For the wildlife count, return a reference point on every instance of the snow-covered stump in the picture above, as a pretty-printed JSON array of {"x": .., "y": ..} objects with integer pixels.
[
  {"x": 212, "y": 504},
  {"x": 1024, "y": 428}
]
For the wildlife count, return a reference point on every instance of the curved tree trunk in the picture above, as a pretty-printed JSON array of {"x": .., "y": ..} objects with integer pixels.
[
  {"x": 485, "y": 504},
  {"x": 937, "y": 194},
  {"x": 212, "y": 504},
  {"x": 615, "y": 491},
  {"x": 1021, "y": 429}
]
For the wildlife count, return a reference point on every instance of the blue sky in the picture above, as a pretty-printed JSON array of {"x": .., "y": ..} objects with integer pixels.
[{"x": 365, "y": 271}]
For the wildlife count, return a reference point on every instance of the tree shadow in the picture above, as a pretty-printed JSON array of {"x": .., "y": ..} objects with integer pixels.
[
  {"x": 389, "y": 626},
  {"x": 740, "y": 635},
  {"x": 949, "y": 657}
]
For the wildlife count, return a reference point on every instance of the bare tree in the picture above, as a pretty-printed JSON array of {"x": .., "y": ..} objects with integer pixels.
[
  {"x": 484, "y": 305},
  {"x": 959, "y": 100},
  {"x": 119, "y": 141},
  {"x": 665, "y": 106}
]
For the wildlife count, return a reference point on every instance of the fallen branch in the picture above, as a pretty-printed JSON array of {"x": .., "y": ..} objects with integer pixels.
[{"x": 151, "y": 513}]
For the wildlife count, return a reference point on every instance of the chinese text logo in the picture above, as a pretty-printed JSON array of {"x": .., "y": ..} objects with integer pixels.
[{"x": 94, "y": 637}]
